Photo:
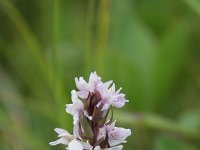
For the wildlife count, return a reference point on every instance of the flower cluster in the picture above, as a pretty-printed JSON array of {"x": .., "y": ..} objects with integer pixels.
[{"x": 93, "y": 129}]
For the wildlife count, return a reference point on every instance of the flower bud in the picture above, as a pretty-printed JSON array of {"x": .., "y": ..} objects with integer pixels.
[{"x": 85, "y": 124}]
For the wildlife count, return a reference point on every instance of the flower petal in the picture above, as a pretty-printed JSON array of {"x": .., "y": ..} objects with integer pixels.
[
  {"x": 119, "y": 100},
  {"x": 83, "y": 94},
  {"x": 75, "y": 108},
  {"x": 94, "y": 80},
  {"x": 61, "y": 131},
  {"x": 118, "y": 135},
  {"x": 81, "y": 84},
  {"x": 86, "y": 146},
  {"x": 61, "y": 140},
  {"x": 75, "y": 145}
]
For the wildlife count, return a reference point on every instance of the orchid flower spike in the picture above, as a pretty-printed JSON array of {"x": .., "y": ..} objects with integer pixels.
[{"x": 93, "y": 128}]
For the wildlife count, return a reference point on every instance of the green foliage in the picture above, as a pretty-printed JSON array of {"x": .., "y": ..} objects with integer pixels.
[
  {"x": 150, "y": 48},
  {"x": 166, "y": 143}
]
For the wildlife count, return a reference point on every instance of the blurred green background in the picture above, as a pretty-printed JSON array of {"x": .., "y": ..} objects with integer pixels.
[{"x": 150, "y": 48}]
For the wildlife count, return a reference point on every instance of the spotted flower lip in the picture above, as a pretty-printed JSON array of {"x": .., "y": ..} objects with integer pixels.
[{"x": 94, "y": 128}]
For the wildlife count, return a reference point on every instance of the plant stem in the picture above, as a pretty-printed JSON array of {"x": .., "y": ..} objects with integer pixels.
[
  {"x": 102, "y": 34},
  {"x": 58, "y": 88},
  {"x": 97, "y": 27},
  {"x": 89, "y": 35}
]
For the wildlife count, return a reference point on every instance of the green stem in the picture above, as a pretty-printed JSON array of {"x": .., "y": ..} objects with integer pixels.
[
  {"x": 102, "y": 34},
  {"x": 97, "y": 27},
  {"x": 57, "y": 63},
  {"x": 88, "y": 35}
]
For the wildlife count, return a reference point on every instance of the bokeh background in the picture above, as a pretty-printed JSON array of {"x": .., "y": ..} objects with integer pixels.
[{"x": 150, "y": 48}]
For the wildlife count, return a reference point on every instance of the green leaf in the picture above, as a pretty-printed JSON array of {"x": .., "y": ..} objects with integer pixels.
[
  {"x": 170, "y": 57},
  {"x": 195, "y": 5}
]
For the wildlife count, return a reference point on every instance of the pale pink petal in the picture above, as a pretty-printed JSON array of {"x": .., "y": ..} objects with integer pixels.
[
  {"x": 112, "y": 89},
  {"x": 94, "y": 80},
  {"x": 61, "y": 131},
  {"x": 86, "y": 146},
  {"x": 76, "y": 131},
  {"x": 83, "y": 94},
  {"x": 97, "y": 148},
  {"x": 107, "y": 85},
  {"x": 102, "y": 133},
  {"x": 118, "y": 135},
  {"x": 119, "y": 100},
  {"x": 81, "y": 84},
  {"x": 61, "y": 140},
  {"x": 75, "y": 145},
  {"x": 74, "y": 108}
]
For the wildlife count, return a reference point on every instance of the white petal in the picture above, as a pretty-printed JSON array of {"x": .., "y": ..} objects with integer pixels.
[
  {"x": 107, "y": 84},
  {"x": 61, "y": 131},
  {"x": 81, "y": 84},
  {"x": 102, "y": 133},
  {"x": 119, "y": 100},
  {"x": 86, "y": 146},
  {"x": 76, "y": 131},
  {"x": 70, "y": 109},
  {"x": 118, "y": 135},
  {"x": 112, "y": 89},
  {"x": 110, "y": 128},
  {"x": 105, "y": 107},
  {"x": 83, "y": 94},
  {"x": 97, "y": 148},
  {"x": 75, "y": 119},
  {"x": 74, "y": 108},
  {"x": 61, "y": 140},
  {"x": 74, "y": 96},
  {"x": 75, "y": 145},
  {"x": 94, "y": 80}
]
